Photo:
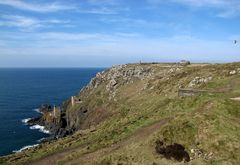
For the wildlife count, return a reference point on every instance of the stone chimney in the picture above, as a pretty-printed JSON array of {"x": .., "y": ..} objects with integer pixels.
[
  {"x": 54, "y": 111},
  {"x": 72, "y": 100}
]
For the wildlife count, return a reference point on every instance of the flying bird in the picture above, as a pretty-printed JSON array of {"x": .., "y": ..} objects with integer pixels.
[{"x": 235, "y": 41}]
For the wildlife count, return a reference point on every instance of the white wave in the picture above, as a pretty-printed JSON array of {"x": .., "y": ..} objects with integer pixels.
[
  {"x": 40, "y": 128},
  {"x": 37, "y": 110},
  {"x": 25, "y": 147},
  {"x": 26, "y": 120},
  {"x": 40, "y": 140}
]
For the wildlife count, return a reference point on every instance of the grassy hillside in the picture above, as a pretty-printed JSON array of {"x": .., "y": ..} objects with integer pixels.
[{"x": 126, "y": 109}]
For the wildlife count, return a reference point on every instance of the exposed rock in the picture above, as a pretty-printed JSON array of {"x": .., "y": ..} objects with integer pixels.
[
  {"x": 197, "y": 81},
  {"x": 112, "y": 83},
  {"x": 124, "y": 74},
  {"x": 118, "y": 75},
  {"x": 238, "y": 70},
  {"x": 232, "y": 72},
  {"x": 50, "y": 118},
  {"x": 198, "y": 153},
  {"x": 173, "y": 70}
]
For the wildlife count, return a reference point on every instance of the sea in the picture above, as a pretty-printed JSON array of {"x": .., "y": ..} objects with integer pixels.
[{"x": 23, "y": 91}]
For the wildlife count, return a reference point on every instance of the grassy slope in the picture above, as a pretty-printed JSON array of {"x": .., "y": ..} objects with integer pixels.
[{"x": 207, "y": 122}]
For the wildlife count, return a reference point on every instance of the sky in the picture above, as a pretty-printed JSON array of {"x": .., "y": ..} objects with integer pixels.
[{"x": 101, "y": 33}]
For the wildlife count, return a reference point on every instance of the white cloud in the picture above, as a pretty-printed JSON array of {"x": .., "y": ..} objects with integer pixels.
[
  {"x": 61, "y": 36},
  {"x": 226, "y": 8},
  {"x": 37, "y": 7},
  {"x": 105, "y": 7},
  {"x": 101, "y": 10},
  {"x": 133, "y": 23},
  {"x": 96, "y": 6},
  {"x": 27, "y": 23},
  {"x": 19, "y": 21}
]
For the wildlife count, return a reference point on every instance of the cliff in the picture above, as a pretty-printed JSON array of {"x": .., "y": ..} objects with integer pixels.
[{"x": 146, "y": 114}]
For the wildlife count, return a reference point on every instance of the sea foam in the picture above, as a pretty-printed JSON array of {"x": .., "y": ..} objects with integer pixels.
[
  {"x": 25, "y": 147},
  {"x": 40, "y": 128},
  {"x": 40, "y": 140},
  {"x": 37, "y": 110},
  {"x": 26, "y": 120}
]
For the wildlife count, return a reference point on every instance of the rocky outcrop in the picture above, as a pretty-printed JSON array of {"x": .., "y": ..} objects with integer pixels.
[
  {"x": 174, "y": 69},
  {"x": 198, "y": 153},
  {"x": 46, "y": 117},
  {"x": 116, "y": 76},
  {"x": 198, "y": 81},
  {"x": 233, "y": 72},
  {"x": 52, "y": 118},
  {"x": 67, "y": 121}
]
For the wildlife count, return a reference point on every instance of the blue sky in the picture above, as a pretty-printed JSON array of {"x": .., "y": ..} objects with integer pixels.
[{"x": 100, "y": 33}]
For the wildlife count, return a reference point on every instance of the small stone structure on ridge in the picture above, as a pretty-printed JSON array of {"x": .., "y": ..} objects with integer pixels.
[{"x": 75, "y": 100}]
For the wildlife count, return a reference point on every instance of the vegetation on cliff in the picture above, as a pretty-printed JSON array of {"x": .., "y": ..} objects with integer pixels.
[{"x": 125, "y": 111}]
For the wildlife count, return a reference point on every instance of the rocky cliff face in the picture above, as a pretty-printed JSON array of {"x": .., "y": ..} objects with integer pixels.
[
  {"x": 52, "y": 118},
  {"x": 116, "y": 76},
  {"x": 103, "y": 87},
  {"x": 80, "y": 115}
]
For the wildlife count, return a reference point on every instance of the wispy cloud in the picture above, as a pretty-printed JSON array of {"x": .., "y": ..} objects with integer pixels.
[
  {"x": 95, "y": 6},
  {"x": 27, "y": 23},
  {"x": 226, "y": 8},
  {"x": 130, "y": 22},
  {"x": 106, "y": 7},
  {"x": 37, "y": 7},
  {"x": 19, "y": 21},
  {"x": 100, "y": 10},
  {"x": 65, "y": 38}
]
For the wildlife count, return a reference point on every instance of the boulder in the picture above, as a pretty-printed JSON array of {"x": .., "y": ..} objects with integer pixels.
[
  {"x": 232, "y": 72},
  {"x": 198, "y": 81}
]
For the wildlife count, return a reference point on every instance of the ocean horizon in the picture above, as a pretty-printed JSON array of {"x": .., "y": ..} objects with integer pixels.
[{"x": 24, "y": 90}]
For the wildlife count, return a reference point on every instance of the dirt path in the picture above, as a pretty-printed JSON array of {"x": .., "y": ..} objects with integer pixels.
[
  {"x": 137, "y": 136},
  {"x": 236, "y": 99},
  {"x": 53, "y": 158},
  {"x": 84, "y": 159}
]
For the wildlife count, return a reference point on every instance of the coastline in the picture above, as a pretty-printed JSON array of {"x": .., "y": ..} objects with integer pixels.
[
  {"x": 19, "y": 101},
  {"x": 40, "y": 128},
  {"x": 36, "y": 126},
  {"x": 25, "y": 148}
]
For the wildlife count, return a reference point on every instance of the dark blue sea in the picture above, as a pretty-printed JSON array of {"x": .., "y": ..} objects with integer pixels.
[{"x": 22, "y": 91}]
